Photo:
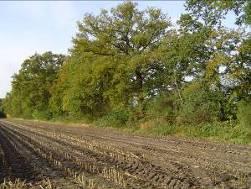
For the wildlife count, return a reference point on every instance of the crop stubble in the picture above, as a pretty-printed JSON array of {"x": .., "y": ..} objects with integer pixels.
[{"x": 82, "y": 157}]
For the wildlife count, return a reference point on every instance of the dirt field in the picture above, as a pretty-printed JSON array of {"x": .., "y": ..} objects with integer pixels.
[{"x": 58, "y": 156}]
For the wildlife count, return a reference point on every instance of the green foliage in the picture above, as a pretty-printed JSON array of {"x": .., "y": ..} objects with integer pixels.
[
  {"x": 2, "y": 114},
  {"x": 41, "y": 114},
  {"x": 114, "y": 119},
  {"x": 30, "y": 93},
  {"x": 247, "y": 9},
  {"x": 244, "y": 115},
  {"x": 116, "y": 58},
  {"x": 213, "y": 12},
  {"x": 200, "y": 104},
  {"x": 221, "y": 131},
  {"x": 131, "y": 67},
  {"x": 163, "y": 107}
]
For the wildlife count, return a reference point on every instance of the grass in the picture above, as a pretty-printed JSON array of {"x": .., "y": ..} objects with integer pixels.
[
  {"x": 216, "y": 131},
  {"x": 219, "y": 131}
]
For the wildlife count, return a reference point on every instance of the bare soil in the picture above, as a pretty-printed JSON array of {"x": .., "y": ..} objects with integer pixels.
[{"x": 87, "y": 157}]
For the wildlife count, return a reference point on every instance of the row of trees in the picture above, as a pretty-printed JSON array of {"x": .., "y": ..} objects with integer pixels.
[{"x": 128, "y": 64}]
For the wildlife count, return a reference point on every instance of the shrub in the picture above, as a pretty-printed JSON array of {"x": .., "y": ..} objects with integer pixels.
[
  {"x": 200, "y": 105},
  {"x": 43, "y": 115},
  {"x": 117, "y": 118},
  {"x": 244, "y": 115},
  {"x": 158, "y": 126},
  {"x": 162, "y": 107}
]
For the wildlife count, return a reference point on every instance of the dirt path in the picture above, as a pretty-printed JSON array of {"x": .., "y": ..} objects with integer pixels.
[{"x": 104, "y": 158}]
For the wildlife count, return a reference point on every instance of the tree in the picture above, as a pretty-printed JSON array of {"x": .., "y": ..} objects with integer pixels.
[
  {"x": 212, "y": 12},
  {"x": 235, "y": 80},
  {"x": 31, "y": 86},
  {"x": 126, "y": 64},
  {"x": 248, "y": 13},
  {"x": 119, "y": 58},
  {"x": 201, "y": 104}
]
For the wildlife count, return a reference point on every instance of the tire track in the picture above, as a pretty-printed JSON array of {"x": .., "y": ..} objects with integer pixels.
[
  {"x": 17, "y": 165},
  {"x": 153, "y": 163},
  {"x": 152, "y": 176}
]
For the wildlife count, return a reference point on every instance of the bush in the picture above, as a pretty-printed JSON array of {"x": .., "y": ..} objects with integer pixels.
[
  {"x": 200, "y": 105},
  {"x": 162, "y": 107},
  {"x": 222, "y": 131},
  {"x": 244, "y": 115},
  {"x": 43, "y": 115},
  {"x": 157, "y": 126},
  {"x": 114, "y": 119}
]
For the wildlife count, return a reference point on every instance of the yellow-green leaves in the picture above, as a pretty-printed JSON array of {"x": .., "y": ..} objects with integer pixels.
[{"x": 215, "y": 63}]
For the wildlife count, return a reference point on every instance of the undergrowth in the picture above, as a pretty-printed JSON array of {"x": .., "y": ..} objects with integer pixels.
[
  {"x": 221, "y": 131},
  {"x": 232, "y": 132}
]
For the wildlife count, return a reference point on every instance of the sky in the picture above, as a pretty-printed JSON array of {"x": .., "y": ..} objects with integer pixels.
[{"x": 28, "y": 27}]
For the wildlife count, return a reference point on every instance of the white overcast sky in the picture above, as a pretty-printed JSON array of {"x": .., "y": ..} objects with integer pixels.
[{"x": 27, "y": 27}]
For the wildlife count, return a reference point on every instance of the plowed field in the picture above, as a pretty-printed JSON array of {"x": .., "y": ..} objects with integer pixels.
[{"x": 60, "y": 156}]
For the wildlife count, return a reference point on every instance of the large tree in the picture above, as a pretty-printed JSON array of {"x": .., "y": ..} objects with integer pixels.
[
  {"x": 118, "y": 53},
  {"x": 32, "y": 84}
]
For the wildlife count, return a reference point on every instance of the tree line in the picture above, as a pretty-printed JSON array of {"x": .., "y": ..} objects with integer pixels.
[{"x": 128, "y": 65}]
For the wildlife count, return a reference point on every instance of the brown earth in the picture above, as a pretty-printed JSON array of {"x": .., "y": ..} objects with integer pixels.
[{"x": 86, "y": 157}]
